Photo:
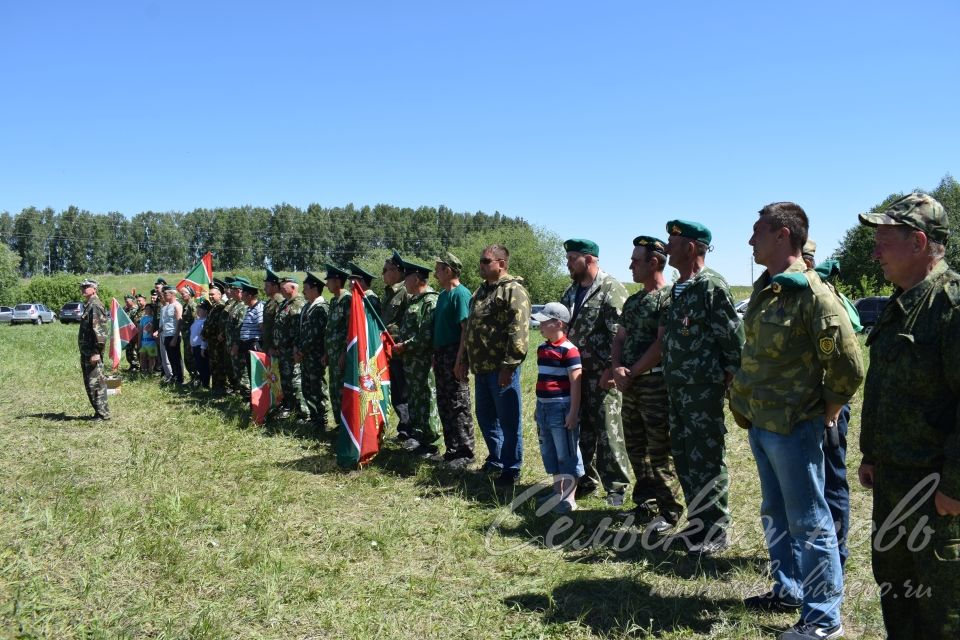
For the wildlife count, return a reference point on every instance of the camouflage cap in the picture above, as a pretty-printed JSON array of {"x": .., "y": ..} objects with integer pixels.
[
  {"x": 917, "y": 210},
  {"x": 140, "y": 295},
  {"x": 653, "y": 244},
  {"x": 313, "y": 281},
  {"x": 809, "y": 249},
  {"x": 581, "y": 245},
  {"x": 89, "y": 283},
  {"x": 271, "y": 276},
  {"x": 359, "y": 272},
  {"x": 410, "y": 268},
  {"x": 450, "y": 260},
  {"x": 691, "y": 230},
  {"x": 129, "y": 297},
  {"x": 333, "y": 271}
]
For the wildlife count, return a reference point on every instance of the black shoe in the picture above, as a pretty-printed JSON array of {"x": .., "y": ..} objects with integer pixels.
[
  {"x": 99, "y": 417},
  {"x": 615, "y": 499},
  {"x": 810, "y": 631},
  {"x": 643, "y": 514},
  {"x": 489, "y": 469},
  {"x": 283, "y": 414},
  {"x": 506, "y": 480},
  {"x": 712, "y": 545},
  {"x": 770, "y": 601},
  {"x": 583, "y": 490},
  {"x": 660, "y": 526},
  {"x": 425, "y": 451}
]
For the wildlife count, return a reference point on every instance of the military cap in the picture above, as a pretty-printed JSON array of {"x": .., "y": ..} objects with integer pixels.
[
  {"x": 219, "y": 284},
  {"x": 410, "y": 268},
  {"x": 358, "y": 271},
  {"x": 271, "y": 277},
  {"x": 917, "y": 210},
  {"x": 580, "y": 245},
  {"x": 333, "y": 271},
  {"x": 691, "y": 230},
  {"x": 396, "y": 260},
  {"x": 128, "y": 297},
  {"x": 237, "y": 282},
  {"x": 205, "y": 305},
  {"x": 160, "y": 281},
  {"x": 653, "y": 244},
  {"x": 140, "y": 295},
  {"x": 450, "y": 260},
  {"x": 313, "y": 281},
  {"x": 809, "y": 249},
  {"x": 168, "y": 289},
  {"x": 291, "y": 279},
  {"x": 249, "y": 288},
  {"x": 89, "y": 283}
]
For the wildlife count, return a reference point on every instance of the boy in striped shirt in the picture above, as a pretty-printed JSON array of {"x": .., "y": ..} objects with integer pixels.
[{"x": 558, "y": 405}]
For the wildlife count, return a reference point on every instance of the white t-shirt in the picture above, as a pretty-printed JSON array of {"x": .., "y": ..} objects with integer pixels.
[{"x": 195, "y": 329}]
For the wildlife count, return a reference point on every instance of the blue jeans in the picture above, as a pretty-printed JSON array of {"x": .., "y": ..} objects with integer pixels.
[
  {"x": 836, "y": 488},
  {"x": 559, "y": 446},
  {"x": 800, "y": 533},
  {"x": 498, "y": 413}
]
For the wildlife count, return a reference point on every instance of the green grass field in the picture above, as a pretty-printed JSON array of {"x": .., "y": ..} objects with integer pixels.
[{"x": 178, "y": 519}]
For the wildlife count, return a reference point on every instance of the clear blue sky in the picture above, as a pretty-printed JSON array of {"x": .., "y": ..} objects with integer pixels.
[{"x": 594, "y": 119}]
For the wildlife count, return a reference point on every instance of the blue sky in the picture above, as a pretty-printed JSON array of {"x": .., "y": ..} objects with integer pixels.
[{"x": 599, "y": 120}]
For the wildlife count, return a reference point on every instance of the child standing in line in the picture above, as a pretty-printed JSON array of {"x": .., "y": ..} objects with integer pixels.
[
  {"x": 199, "y": 346},
  {"x": 558, "y": 405},
  {"x": 148, "y": 344}
]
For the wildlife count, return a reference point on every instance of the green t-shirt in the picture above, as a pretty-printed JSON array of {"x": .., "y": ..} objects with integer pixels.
[{"x": 453, "y": 306}]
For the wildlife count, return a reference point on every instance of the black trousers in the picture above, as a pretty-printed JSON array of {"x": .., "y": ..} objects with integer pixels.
[{"x": 174, "y": 357}]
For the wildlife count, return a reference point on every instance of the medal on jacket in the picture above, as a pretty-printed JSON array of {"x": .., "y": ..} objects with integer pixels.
[{"x": 686, "y": 326}]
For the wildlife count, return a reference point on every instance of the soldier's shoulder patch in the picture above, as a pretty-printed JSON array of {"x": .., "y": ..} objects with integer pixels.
[{"x": 827, "y": 346}]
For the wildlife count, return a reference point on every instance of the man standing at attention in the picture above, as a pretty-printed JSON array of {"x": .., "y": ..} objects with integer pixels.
[
  {"x": 800, "y": 364},
  {"x": 394, "y": 304},
  {"x": 335, "y": 338},
  {"x": 701, "y": 336},
  {"x": 271, "y": 291},
  {"x": 910, "y": 432},
  {"x": 595, "y": 299},
  {"x": 286, "y": 335},
  {"x": 92, "y": 339},
  {"x": 309, "y": 352},
  {"x": 494, "y": 345}
]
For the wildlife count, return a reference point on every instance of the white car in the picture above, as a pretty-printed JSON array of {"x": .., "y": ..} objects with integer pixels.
[
  {"x": 741, "y": 307},
  {"x": 6, "y": 314},
  {"x": 31, "y": 312}
]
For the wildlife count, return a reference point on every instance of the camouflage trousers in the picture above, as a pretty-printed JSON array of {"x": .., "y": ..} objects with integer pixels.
[
  {"x": 220, "y": 366},
  {"x": 230, "y": 364},
  {"x": 422, "y": 398},
  {"x": 398, "y": 394},
  {"x": 240, "y": 363},
  {"x": 601, "y": 436},
  {"x": 697, "y": 443},
  {"x": 917, "y": 573},
  {"x": 453, "y": 402},
  {"x": 646, "y": 432},
  {"x": 188, "y": 363},
  {"x": 133, "y": 355},
  {"x": 290, "y": 382},
  {"x": 94, "y": 381},
  {"x": 336, "y": 391},
  {"x": 313, "y": 384}
]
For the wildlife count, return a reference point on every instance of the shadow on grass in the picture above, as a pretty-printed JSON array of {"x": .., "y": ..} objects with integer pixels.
[
  {"x": 623, "y": 606},
  {"x": 57, "y": 417}
]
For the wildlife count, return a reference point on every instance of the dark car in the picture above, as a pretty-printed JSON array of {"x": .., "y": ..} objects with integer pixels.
[
  {"x": 870, "y": 310},
  {"x": 71, "y": 312}
]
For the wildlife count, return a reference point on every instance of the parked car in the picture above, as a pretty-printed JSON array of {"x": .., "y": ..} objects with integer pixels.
[
  {"x": 870, "y": 310},
  {"x": 741, "y": 307},
  {"x": 31, "y": 312},
  {"x": 6, "y": 314},
  {"x": 537, "y": 308},
  {"x": 71, "y": 312}
]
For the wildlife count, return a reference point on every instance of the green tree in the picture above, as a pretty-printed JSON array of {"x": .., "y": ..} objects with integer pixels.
[{"x": 9, "y": 276}]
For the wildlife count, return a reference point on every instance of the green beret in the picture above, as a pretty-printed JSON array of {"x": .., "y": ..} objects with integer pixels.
[
  {"x": 333, "y": 271},
  {"x": 691, "y": 230},
  {"x": 410, "y": 268},
  {"x": 358, "y": 271},
  {"x": 271, "y": 277},
  {"x": 249, "y": 288},
  {"x": 291, "y": 279},
  {"x": 313, "y": 281},
  {"x": 450, "y": 260},
  {"x": 237, "y": 282},
  {"x": 651, "y": 243},
  {"x": 580, "y": 245}
]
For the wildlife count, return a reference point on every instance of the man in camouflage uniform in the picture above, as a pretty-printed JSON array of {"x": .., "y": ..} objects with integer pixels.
[
  {"x": 92, "y": 339},
  {"x": 800, "y": 364},
  {"x": 595, "y": 299},
  {"x": 236, "y": 310},
  {"x": 134, "y": 312},
  {"x": 214, "y": 332},
  {"x": 637, "y": 371},
  {"x": 701, "y": 336},
  {"x": 365, "y": 279},
  {"x": 309, "y": 352},
  {"x": 393, "y": 305},
  {"x": 186, "y": 321},
  {"x": 286, "y": 335},
  {"x": 271, "y": 291},
  {"x": 910, "y": 432},
  {"x": 335, "y": 337},
  {"x": 416, "y": 347},
  {"x": 493, "y": 347}
]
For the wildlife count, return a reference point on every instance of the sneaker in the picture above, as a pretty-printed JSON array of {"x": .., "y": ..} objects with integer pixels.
[
  {"x": 808, "y": 631},
  {"x": 564, "y": 507},
  {"x": 714, "y": 544},
  {"x": 283, "y": 414},
  {"x": 584, "y": 490},
  {"x": 425, "y": 451},
  {"x": 661, "y": 526},
  {"x": 615, "y": 499},
  {"x": 402, "y": 435},
  {"x": 770, "y": 601},
  {"x": 410, "y": 444}
]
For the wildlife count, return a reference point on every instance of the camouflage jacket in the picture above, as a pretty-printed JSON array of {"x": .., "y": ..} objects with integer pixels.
[
  {"x": 214, "y": 328},
  {"x": 800, "y": 352},
  {"x": 135, "y": 314},
  {"x": 338, "y": 320},
  {"x": 189, "y": 313},
  {"x": 911, "y": 399},
  {"x": 498, "y": 328},
  {"x": 235, "y": 311},
  {"x": 703, "y": 334},
  {"x": 313, "y": 328},
  {"x": 94, "y": 328},
  {"x": 286, "y": 328},
  {"x": 416, "y": 328},
  {"x": 641, "y": 322},
  {"x": 394, "y": 302},
  {"x": 270, "y": 308},
  {"x": 595, "y": 323}
]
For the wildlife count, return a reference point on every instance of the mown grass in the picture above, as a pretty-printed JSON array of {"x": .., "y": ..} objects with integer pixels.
[{"x": 178, "y": 519}]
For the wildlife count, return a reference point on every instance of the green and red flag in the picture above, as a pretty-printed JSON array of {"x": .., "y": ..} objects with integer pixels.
[
  {"x": 365, "y": 397},
  {"x": 200, "y": 277},
  {"x": 122, "y": 331},
  {"x": 265, "y": 391}
]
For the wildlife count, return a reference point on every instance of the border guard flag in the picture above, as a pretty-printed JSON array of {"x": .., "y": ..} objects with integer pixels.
[
  {"x": 200, "y": 277},
  {"x": 366, "y": 384},
  {"x": 265, "y": 391},
  {"x": 122, "y": 331}
]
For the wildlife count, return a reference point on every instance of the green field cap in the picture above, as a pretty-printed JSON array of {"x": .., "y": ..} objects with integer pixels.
[
  {"x": 917, "y": 210},
  {"x": 450, "y": 260}
]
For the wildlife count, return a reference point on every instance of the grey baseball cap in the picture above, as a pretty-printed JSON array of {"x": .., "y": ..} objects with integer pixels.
[{"x": 552, "y": 311}]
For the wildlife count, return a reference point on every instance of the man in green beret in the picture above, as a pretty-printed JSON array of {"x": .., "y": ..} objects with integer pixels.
[
  {"x": 310, "y": 352},
  {"x": 595, "y": 299},
  {"x": 134, "y": 312},
  {"x": 286, "y": 335},
  {"x": 365, "y": 279},
  {"x": 394, "y": 304},
  {"x": 910, "y": 431},
  {"x": 214, "y": 332},
  {"x": 271, "y": 290},
  {"x": 335, "y": 338},
  {"x": 637, "y": 371},
  {"x": 702, "y": 336}
]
